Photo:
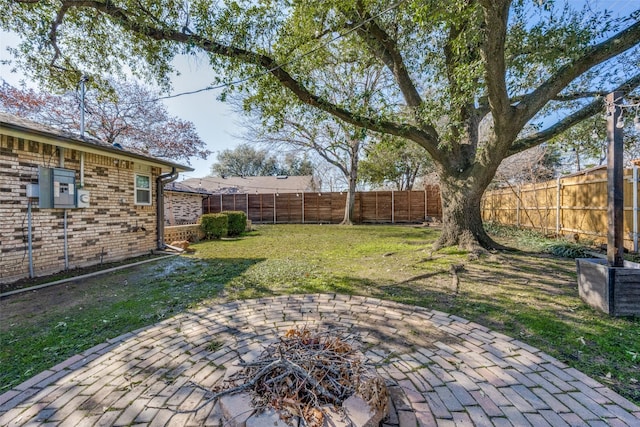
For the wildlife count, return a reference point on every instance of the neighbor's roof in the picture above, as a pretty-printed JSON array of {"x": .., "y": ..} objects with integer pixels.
[
  {"x": 254, "y": 184},
  {"x": 181, "y": 187},
  {"x": 19, "y": 127}
]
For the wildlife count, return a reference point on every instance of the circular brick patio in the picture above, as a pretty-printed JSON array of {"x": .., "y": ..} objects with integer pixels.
[{"x": 449, "y": 371}]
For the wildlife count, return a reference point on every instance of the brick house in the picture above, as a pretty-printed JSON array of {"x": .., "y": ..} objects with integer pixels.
[
  {"x": 68, "y": 202},
  {"x": 182, "y": 203}
]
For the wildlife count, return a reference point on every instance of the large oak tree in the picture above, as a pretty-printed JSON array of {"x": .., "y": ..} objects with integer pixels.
[{"x": 454, "y": 66}]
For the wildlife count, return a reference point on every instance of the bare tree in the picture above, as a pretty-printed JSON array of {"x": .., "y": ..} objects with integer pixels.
[{"x": 131, "y": 115}]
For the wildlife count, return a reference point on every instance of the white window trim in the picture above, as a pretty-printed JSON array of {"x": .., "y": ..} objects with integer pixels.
[{"x": 135, "y": 189}]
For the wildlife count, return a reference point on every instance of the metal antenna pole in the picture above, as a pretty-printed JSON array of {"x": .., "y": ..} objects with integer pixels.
[{"x": 83, "y": 80}]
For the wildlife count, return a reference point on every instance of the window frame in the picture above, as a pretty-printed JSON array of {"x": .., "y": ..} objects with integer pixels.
[{"x": 136, "y": 189}]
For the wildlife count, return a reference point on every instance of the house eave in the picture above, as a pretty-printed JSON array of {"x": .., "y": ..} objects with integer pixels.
[{"x": 69, "y": 142}]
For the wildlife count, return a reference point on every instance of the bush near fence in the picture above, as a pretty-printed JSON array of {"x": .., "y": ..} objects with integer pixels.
[
  {"x": 573, "y": 206},
  {"x": 328, "y": 208}
]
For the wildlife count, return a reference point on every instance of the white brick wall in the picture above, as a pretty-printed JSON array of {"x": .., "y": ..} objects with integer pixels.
[{"x": 182, "y": 208}]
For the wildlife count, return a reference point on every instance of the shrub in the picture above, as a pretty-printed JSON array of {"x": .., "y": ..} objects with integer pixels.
[
  {"x": 568, "y": 250},
  {"x": 215, "y": 225},
  {"x": 237, "y": 222}
]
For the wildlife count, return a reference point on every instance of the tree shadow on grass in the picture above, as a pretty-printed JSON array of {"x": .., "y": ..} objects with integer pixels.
[{"x": 48, "y": 325}]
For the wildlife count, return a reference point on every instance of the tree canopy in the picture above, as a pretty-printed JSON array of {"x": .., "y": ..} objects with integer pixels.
[
  {"x": 245, "y": 160},
  {"x": 395, "y": 161},
  {"x": 450, "y": 68}
]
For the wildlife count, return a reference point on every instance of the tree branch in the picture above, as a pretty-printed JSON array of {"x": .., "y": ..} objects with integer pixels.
[
  {"x": 386, "y": 49},
  {"x": 571, "y": 120},
  {"x": 427, "y": 136},
  {"x": 615, "y": 45},
  {"x": 496, "y": 15},
  {"x": 566, "y": 96}
]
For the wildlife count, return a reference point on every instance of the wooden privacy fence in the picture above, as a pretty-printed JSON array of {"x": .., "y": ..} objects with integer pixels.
[
  {"x": 574, "y": 205},
  {"x": 328, "y": 208}
]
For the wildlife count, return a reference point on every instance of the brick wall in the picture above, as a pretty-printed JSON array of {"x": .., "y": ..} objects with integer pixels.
[
  {"x": 111, "y": 229},
  {"x": 182, "y": 208}
]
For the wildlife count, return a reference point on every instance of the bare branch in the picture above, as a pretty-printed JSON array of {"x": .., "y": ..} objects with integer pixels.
[{"x": 584, "y": 113}]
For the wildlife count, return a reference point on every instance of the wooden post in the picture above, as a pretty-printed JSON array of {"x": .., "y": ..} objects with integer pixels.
[
  {"x": 615, "y": 207},
  {"x": 558, "y": 207}
]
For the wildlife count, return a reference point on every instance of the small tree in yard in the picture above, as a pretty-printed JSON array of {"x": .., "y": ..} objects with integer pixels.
[
  {"x": 449, "y": 67},
  {"x": 395, "y": 161}
]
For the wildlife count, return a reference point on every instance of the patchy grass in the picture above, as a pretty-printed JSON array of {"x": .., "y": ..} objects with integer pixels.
[{"x": 530, "y": 295}]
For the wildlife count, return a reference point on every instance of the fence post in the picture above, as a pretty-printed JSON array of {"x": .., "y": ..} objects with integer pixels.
[
  {"x": 518, "y": 205},
  {"x": 425, "y": 204},
  {"x": 393, "y": 208},
  {"x": 303, "y": 207},
  {"x": 220, "y": 202},
  {"x": 635, "y": 208},
  {"x": 274, "y": 208},
  {"x": 246, "y": 205},
  {"x": 558, "y": 211}
]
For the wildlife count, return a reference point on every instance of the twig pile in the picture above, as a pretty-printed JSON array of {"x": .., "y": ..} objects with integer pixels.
[{"x": 302, "y": 372}]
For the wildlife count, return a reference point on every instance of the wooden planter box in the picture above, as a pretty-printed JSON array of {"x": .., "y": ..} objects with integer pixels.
[{"x": 614, "y": 290}]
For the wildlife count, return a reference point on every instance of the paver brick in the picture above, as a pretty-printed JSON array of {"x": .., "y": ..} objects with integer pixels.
[
  {"x": 438, "y": 408},
  {"x": 553, "y": 418},
  {"x": 621, "y": 414},
  {"x": 537, "y": 420},
  {"x": 501, "y": 422},
  {"x": 618, "y": 400},
  {"x": 487, "y": 404},
  {"x": 515, "y": 417},
  {"x": 461, "y": 394},
  {"x": 538, "y": 380},
  {"x": 576, "y": 407},
  {"x": 479, "y": 417},
  {"x": 518, "y": 401}
]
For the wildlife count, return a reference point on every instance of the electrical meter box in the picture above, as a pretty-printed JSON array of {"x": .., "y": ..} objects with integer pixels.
[
  {"x": 83, "y": 198},
  {"x": 57, "y": 188}
]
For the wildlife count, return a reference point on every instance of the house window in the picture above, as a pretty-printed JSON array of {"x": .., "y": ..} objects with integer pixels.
[{"x": 142, "y": 189}]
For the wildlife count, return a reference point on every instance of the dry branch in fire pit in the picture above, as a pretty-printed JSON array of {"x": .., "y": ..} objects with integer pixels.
[{"x": 306, "y": 370}]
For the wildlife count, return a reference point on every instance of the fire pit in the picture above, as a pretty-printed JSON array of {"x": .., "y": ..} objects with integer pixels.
[{"x": 307, "y": 378}]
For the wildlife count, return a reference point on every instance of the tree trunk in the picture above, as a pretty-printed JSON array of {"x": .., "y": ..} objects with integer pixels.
[
  {"x": 353, "y": 181},
  {"x": 461, "y": 215},
  {"x": 351, "y": 199}
]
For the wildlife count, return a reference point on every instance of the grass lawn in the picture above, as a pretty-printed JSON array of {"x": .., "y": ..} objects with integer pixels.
[{"x": 524, "y": 294}]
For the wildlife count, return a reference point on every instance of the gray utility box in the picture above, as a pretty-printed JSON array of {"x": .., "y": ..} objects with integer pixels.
[{"x": 57, "y": 188}]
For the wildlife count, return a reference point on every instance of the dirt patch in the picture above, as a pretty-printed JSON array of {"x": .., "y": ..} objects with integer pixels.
[
  {"x": 32, "y": 307},
  {"x": 76, "y": 272}
]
